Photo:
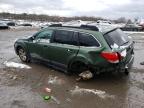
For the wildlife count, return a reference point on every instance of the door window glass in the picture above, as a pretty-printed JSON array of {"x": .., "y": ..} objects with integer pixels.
[
  {"x": 65, "y": 37},
  {"x": 45, "y": 34},
  {"x": 87, "y": 40}
]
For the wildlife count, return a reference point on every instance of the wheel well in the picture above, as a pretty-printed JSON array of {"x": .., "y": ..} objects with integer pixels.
[
  {"x": 77, "y": 66},
  {"x": 27, "y": 54},
  {"x": 17, "y": 48}
]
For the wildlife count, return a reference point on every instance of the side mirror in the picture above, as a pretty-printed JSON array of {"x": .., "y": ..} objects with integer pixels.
[{"x": 32, "y": 38}]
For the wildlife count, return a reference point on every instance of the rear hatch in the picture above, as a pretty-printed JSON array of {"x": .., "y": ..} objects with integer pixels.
[{"x": 121, "y": 43}]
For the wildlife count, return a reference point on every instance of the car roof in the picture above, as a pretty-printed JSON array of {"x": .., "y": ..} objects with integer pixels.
[
  {"x": 106, "y": 29},
  {"x": 102, "y": 30},
  {"x": 89, "y": 27},
  {"x": 71, "y": 29}
]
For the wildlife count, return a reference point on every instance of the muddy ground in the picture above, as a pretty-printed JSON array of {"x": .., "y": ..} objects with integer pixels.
[{"x": 25, "y": 88}]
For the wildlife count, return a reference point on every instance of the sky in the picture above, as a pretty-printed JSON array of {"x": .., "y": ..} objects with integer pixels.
[{"x": 97, "y": 8}]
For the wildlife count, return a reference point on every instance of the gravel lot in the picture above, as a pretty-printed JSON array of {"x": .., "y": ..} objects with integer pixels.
[{"x": 26, "y": 87}]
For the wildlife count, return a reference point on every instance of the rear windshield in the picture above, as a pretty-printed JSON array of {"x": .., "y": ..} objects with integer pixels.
[{"x": 117, "y": 37}]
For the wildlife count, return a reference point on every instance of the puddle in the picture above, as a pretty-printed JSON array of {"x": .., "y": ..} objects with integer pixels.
[
  {"x": 55, "y": 99},
  {"x": 82, "y": 91},
  {"x": 19, "y": 97},
  {"x": 16, "y": 65}
]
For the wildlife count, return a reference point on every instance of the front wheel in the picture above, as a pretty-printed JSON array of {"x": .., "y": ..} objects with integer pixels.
[{"x": 23, "y": 55}]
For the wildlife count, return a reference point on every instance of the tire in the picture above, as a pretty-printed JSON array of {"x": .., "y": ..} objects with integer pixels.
[
  {"x": 78, "y": 67},
  {"x": 24, "y": 56},
  {"x": 126, "y": 72}
]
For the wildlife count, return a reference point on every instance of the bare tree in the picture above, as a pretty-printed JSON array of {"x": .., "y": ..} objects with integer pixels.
[{"x": 35, "y": 17}]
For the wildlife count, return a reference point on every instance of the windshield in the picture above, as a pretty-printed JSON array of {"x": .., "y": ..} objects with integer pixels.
[
  {"x": 2, "y": 24},
  {"x": 116, "y": 37}
]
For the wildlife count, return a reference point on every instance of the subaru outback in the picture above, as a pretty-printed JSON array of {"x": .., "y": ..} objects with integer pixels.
[{"x": 76, "y": 49}]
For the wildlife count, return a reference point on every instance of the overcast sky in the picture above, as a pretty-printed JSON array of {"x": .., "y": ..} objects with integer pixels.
[{"x": 98, "y": 8}]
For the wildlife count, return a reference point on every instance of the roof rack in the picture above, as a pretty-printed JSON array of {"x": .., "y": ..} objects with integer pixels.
[
  {"x": 89, "y": 27},
  {"x": 86, "y": 27},
  {"x": 55, "y": 25}
]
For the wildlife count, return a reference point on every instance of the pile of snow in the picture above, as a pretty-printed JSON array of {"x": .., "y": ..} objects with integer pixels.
[
  {"x": 16, "y": 65},
  {"x": 81, "y": 91},
  {"x": 75, "y": 23},
  {"x": 133, "y": 32}
]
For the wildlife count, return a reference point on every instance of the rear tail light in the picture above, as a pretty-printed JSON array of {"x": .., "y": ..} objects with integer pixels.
[{"x": 112, "y": 57}]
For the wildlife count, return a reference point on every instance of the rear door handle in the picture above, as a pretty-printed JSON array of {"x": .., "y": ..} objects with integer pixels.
[
  {"x": 45, "y": 45},
  {"x": 69, "y": 50}
]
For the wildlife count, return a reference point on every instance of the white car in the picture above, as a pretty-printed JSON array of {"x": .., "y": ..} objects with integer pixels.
[{"x": 3, "y": 26}]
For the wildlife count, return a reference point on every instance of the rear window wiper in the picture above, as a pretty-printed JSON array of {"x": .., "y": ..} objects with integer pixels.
[{"x": 124, "y": 43}]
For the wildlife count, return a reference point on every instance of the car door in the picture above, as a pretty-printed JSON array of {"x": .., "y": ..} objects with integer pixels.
[
  {"x": 90, "y": 48},
  {"x": 37, "y": 45},
  {"x": 63, "y": 47}
]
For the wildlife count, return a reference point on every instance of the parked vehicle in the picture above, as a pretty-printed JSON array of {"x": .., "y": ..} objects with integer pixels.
[
  {"x": 76, "y": 49},
  {"x": 26, "y": 24},
  {"x": 3, "y": 26},
  {"x": 11, "y": 23},
  {"x": 75, "y": 23},
  {"x": 44, "y": 26},
  {"x": 132, "y": 27},
  {"x": 104, "y": 22}
]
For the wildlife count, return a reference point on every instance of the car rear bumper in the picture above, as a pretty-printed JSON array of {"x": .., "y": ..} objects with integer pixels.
[
  {"x": 4, "y": 27},
  {"x": 129, "y": 64},
  {"x": 119, "y": 67}
]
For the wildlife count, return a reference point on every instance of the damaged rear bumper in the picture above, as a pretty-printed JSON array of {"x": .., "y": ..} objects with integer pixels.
[
  {"x": 119, "y": 67},
  {"x": 128, "y": 66}
]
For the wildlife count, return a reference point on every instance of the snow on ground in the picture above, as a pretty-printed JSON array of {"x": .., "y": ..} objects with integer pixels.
[
  {"x": 132, "y": 32},
  {"x": 81, "y": 91},
  {"x": 16, "y": 65},
  {"x": 55, "y": 80}
]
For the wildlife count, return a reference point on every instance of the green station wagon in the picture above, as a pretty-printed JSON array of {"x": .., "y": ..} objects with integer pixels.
[{"x": 76, "y": 49}]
